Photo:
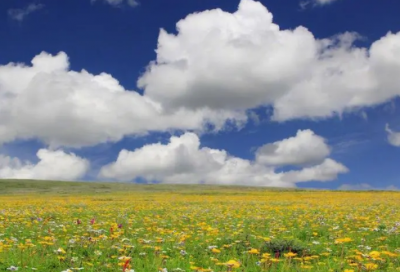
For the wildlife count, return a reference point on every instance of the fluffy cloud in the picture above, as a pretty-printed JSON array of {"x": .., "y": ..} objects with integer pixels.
[
  {"x": 52, "y": 165},
  {"x": 217, "y": 67},
  {"x": 20, "y": 14},
  {"x": 365, "y": 187},
  {"x": 182, "y": 160},
  {"x": 304, "y": 148},
  {"x": 49, "y": 102},
  {"x": 392, "y": 136},
  {"x": 242, "y": 60},
  {"x": 116, "y": 3}
]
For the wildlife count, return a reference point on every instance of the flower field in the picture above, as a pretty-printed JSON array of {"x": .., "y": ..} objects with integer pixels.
[{"x": 212, "y": 230}]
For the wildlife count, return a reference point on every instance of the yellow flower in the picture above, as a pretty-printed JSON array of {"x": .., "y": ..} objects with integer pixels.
[
  {"x": 254, "y": 251},
  {"x": 374, "y": 254},
  {"x": 266, "y": 255},
  {"x": 343, "y": 240},
  {"x": 290, "y": 254},
  {"x": 390, "y": 254},
  {"x": 371, "y": 266},
  {"x": 232, "y": 263}
]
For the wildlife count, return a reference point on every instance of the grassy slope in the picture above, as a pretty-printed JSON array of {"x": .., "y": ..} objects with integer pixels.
[{"x": 9, "y": 187}]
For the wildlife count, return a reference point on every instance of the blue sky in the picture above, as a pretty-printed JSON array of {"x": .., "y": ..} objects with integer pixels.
[{"x": 231, "y": 99}]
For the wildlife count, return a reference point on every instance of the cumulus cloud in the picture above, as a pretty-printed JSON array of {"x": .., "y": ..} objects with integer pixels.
[
  {"x": 117, "y": 3},
  {"x": 392, "y": 136},
  {"x": 242, "y": 60},
  {"x": 216, "y": 68},
  {"x": 326, "y": 171},
  {"x": 304, "y": 148},
  {"x": 60, "y": 107},
  {"x": 365, "y": 187},
  {"x": 20, "y": 14},
  {"x": 183, "y": 160},
  {"x": 52, "y": 165}
]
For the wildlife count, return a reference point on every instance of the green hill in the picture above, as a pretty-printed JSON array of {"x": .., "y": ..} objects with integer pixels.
[{"x": 10, "y": 186}]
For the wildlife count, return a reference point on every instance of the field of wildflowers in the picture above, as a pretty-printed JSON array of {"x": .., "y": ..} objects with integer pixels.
[{"x": 213, "y": 230}]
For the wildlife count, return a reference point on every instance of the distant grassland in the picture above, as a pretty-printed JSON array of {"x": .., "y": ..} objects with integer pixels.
[{"x": 12, "y": 187}]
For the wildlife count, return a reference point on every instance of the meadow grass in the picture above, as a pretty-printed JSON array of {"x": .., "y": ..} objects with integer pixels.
[{"x": 71, "y": 226}]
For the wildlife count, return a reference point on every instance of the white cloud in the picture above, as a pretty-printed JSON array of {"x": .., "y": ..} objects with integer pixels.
[
  {"x": 304, "y": 148},
  {"x": 326, "y": 171},
  {"x": 324, "y": 2},
  {"x": 182, "y": 160},
  {"x": 365, "y": 187},
  {"x": 20, "y": 14},
  {"x": 314, "y": 3},
  {"x": 132, "y": 3},
  {"x": 392, "y": 136},
  {"x": 217, "y": 67},
  {"x": 60, "y": 107},
  {"x": 52, "y": 165},
  {"x": 117, "y": 3},
  {"x": 243, "y": 60}
]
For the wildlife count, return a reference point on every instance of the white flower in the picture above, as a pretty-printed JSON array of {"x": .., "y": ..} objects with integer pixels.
[
  {"x": 12, "y": 268},
  {"x": 59, "y": 251},
  {"x": 125, "y": 258}
]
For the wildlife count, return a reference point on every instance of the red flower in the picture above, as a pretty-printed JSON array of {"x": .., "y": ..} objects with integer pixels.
[{"x": 126, "y": 265}]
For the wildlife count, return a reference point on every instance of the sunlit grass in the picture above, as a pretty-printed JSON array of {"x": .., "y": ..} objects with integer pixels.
[{"x": 183, "y": 228}]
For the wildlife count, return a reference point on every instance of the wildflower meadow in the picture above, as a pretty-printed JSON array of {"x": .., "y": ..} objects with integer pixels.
[{"x": 232, "y": 229}]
